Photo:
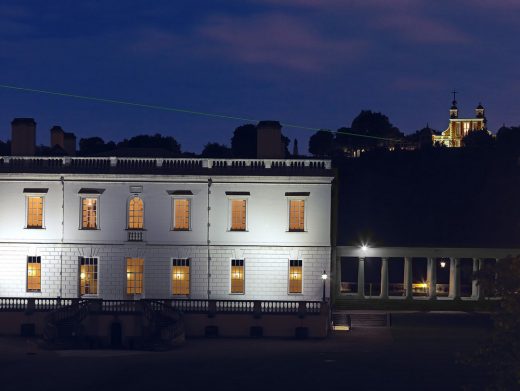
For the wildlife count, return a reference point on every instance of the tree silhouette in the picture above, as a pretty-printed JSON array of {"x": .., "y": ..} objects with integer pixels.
[
  {"x": 478, "y": 139},
  {"x": 94, "y": 145},
  {"x": 321, "y": 143},
  {"x": 508, "y": 140},
  {"x": 216, "y": 150},
  {"x": 156, "y": 141},
  {"x": 243, "y": 142},
  {"x": 378, "y": 125}
]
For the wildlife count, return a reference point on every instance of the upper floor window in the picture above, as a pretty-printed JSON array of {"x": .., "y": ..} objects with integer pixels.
[
  {"x": 181, "y": 214},
  {"x": 89, "y": 212},
  {"x": 136, "y": 213},
  {"x": 34, "y": 274},
  {"x": 34, "y": 206},
  {"x": 296, "y": 215},
  {"x": 238, "y": 215},
  {"x": 89, "y": 201},
  {"x": 35, "y": 212},
  {"x": 88, "y": 276}
]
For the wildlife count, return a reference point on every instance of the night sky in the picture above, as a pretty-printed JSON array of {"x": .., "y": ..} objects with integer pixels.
[{"x": 309, "y": 62}]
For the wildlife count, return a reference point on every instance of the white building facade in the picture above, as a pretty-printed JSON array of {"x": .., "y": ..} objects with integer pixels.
[{"x": 131, "y": 228}]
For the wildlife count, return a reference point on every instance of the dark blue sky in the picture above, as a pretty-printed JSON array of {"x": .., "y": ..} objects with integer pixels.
[{"x": 310, "y": 62}]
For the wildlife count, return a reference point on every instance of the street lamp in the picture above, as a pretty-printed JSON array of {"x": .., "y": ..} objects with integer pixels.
[{"x": 324, "y": 278}]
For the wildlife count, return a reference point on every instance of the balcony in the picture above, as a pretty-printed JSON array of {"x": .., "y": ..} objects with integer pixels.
[{"x": 135, "y": 235}]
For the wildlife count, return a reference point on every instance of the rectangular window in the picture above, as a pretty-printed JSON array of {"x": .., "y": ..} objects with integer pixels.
[
  {"x": 89, "y": 213},
  {"x": 34, "y": 274},
  {"x": 296, "y": 215},
  {"x": 237, "y": 276},
  {"x": 134, "y": 275},
  {"x": 34, "y": 212},
  {"x": 181, "y": 277},
  {"x": 181, "y": 213},
  {"x": 238, "y": 215},
  {"x": 295, "y": 276},
  {"x": 88, "y": 276}
]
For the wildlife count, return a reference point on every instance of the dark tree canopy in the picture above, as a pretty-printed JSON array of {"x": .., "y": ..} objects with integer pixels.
[
  {"x": 5, "y": 148},
  {"x": 478, "y": 139},
  {"x": 422, "y": 137},
  {"x": 156, "y": 141},
  {"x": 216, "y": 150},
  {"x": 375, "y": 124},
  {"x": 94, "y": 145},
  {"x": 321, "y": 143},
  {"x": 508, "y": 140},
  {"x": 243, "y": 142}
]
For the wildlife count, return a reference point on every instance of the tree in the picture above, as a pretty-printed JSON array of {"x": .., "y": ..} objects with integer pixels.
[
  {"x": 216, "y": 150},
  {"x": 94, "y": 145},
  {"x": 478, "y": 139},
  {"x": 5, "y": 148},
  {"x": 376, "y": 126},
  {"x": 156, "y": 141},
  {"x": 243, "y": 142},
  {"x": 422, "y": 137},
  {"x": 508, "y": 140},
  {"x": 321, "y": 143},
  {"x": 500, "y": 356}
]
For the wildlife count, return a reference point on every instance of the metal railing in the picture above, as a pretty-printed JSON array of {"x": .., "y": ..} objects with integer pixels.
[{"x": 135, "y": 235}]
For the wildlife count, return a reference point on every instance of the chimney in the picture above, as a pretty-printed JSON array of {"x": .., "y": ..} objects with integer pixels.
[
  {"x": 269, "y": 140},
  {"x": 23, "y": 137},
  {"x": 64, "y": 140}
]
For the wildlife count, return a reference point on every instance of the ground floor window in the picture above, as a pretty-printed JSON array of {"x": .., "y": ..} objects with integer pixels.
[
  {"x": 295, "y": 276},
  {"x": 181, "y": 276},
  {"x": 88, "y": 276},
  {"x": 134, "y": 275},
  {"x": 34, "y": 275},
  {"x": 237, "y": 276}
]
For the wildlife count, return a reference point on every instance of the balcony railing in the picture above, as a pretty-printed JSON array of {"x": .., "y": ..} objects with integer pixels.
[
  {"x": 158, "y": 165},
  {"x": 135, "y": 235}
]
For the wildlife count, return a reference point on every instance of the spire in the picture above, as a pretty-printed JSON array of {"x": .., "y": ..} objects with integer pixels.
[{"x": 454, "y": 111}]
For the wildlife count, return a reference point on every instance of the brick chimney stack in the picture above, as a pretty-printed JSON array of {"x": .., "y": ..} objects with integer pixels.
[
  {"x": 269, "y": 140},
  {"x": 64, "y": 140},
  {"x": 23, "y": 137}
]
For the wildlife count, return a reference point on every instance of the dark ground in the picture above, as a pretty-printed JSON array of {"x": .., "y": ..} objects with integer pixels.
[{"x": 370, "y": 358}]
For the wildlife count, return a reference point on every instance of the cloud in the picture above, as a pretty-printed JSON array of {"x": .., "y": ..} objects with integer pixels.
[{"x": 280, "y": 41}]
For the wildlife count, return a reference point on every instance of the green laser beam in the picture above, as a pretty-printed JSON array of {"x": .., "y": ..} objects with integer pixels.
[{"x": 177, "y": 110}]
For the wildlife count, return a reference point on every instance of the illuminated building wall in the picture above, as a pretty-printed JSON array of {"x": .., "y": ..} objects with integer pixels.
[{"x": 78, "y": 257}]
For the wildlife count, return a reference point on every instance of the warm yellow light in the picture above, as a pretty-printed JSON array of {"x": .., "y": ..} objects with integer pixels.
[
  {"x": 421, "y": 285},
  {"x": 82, "y": 276},
  {"x": 179, "y": 276},
  {"x": 128, "y": 275}
]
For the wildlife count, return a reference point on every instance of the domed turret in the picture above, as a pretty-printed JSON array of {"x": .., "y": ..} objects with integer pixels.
[{"x": 479, "y": 111}]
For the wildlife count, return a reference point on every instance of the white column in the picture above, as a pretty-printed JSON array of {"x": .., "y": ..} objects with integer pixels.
[
  {"x": 408, "y": 278},
  {"x": 384, "y": 278},
  {"x": 475, "y": 287},
  {"x": 432, "y": 278},
  {"x": 361, "y": 278},
  {"x": 454, "y": 278}
]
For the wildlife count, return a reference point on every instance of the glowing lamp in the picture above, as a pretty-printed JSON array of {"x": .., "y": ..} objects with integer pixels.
[
  {"x": 364, "y": 247},
  {"x": 82, "y": 276},
  {"x": 324, "y": 275},
  {"x": 443, "y": 264}
]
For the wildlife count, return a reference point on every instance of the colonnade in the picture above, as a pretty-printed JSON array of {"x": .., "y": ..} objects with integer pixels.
[{"x": 432, "y": 256}]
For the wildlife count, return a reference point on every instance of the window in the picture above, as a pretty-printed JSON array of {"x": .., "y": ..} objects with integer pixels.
[
  {"x": 238, "y": 215},
  {"x": 181, "y": 214},
  {"x": 89, "y": 213},
  {"x": 237, "y": 276},
  {"x": 134, "y": 275},
  {"x": 181, "y": 277},
  {"x": 135, "y": 213},
  {"x": 296, "y": 215},
  {"x": 34, "y": 212},
  {"x": 34, "y": 274},
  {"x": 88, "y": 276},
  {"x": 295, "y": 276}
]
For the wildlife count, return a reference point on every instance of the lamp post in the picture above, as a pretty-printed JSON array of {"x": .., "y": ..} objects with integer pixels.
[{"x": 324, "y": 278}]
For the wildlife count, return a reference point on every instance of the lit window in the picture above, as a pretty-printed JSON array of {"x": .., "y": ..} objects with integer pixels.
[
  {"x": 237, "y": 276},
  {"x": 296, "y": 215},
  {"x": 134, "y": 275},
  {"x": 88, "y": 276},
  {"x": 34, "y": 212},
  {"x": 238, "y": 215},
  {"x": 89, "y": 213},
  {"x": 181, "y": 214},
  {"x": 34, "y": 275},
  {"x": 135, "y": 213},
  {"x": 181, "y": 277},
  {"x": 295, "y": 276}
]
